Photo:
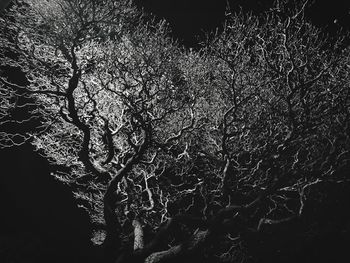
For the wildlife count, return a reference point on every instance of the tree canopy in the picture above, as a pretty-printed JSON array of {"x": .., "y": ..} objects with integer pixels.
[{"x": 157, "y": 140}]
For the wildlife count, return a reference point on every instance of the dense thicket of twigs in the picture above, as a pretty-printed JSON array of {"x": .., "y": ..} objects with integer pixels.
[{"x": 215, "y": 144}]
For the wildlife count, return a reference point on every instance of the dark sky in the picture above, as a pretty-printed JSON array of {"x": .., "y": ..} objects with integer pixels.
[{"x": 189, "y": 18}]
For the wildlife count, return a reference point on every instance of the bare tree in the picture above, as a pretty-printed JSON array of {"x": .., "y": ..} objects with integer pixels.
[
  {"x": 216, "y": 143},
  {"x": 283, "y": 122}
]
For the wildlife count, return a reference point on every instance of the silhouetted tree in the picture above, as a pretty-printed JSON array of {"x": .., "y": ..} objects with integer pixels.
[{"x": 214, "y": 144}]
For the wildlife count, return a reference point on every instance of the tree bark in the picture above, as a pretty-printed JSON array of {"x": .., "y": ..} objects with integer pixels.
[{"x": 138, "y": 235}]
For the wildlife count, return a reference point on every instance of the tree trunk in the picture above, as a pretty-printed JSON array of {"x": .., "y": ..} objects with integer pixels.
[
  {"x": 112, "y": 242},
  {"x": 138, "y": 235}
]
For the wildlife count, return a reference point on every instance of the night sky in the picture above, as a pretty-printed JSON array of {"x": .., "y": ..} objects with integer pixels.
[{"x": 190, "y": 18}]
